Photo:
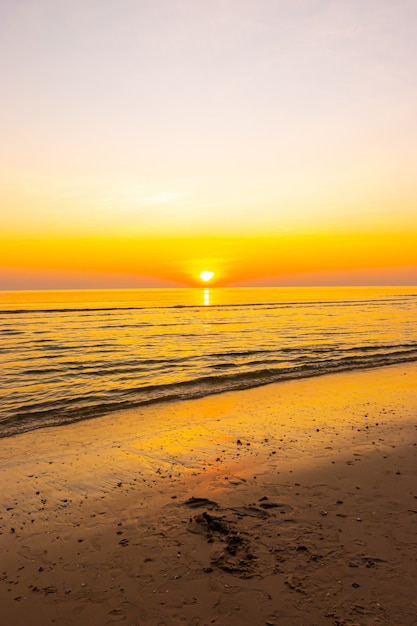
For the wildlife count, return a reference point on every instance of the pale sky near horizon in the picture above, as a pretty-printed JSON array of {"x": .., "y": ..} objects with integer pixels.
[{"x": 168, "y": 122}]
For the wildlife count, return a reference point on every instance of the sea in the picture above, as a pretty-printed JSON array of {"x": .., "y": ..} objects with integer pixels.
[{"x": 71, "y": 355}]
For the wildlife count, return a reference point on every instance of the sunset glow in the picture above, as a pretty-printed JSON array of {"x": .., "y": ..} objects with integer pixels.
[
  {"x": 206, "y": 276},
  {"x": 272, "y": 144}
]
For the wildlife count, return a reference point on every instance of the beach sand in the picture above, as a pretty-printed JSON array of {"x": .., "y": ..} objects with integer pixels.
[{"x": 290, "y": 504}]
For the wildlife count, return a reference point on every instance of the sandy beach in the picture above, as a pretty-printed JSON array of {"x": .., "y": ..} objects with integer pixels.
[{"x": 292, "y": 504}]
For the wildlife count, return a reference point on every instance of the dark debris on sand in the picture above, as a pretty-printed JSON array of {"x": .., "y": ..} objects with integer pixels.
[{"x": 235, "y": 556}]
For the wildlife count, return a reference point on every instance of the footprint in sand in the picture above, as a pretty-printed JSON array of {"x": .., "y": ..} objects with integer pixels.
[{"x": 196, "y": 503}]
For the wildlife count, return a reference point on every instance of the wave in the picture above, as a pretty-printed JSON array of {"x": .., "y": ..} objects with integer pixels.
[
  {"x": 232, "y": 305},
  {"x": 51, "y": 413},
  {"x": 231, "y": 359}
]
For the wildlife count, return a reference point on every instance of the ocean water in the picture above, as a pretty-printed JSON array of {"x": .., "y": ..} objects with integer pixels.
[{"x": 71, "y": 355}]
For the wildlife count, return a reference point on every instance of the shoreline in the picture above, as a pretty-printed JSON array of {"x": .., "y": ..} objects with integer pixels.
[
  {"x": 161, "y": 401},
  {"x": 304, "y": 504}
]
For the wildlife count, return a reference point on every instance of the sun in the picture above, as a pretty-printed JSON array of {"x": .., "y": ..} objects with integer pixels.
[{"x": 206, "y": 276}]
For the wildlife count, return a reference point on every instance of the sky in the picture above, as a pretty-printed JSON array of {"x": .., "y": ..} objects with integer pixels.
[{"x": 273, "y": 142}]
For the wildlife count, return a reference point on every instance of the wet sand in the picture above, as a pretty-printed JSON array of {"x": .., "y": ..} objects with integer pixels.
[{"x": 291, "y": 504}]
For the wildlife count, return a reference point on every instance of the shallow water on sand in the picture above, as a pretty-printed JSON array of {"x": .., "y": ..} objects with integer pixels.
[{"x": 69, "y": 355}]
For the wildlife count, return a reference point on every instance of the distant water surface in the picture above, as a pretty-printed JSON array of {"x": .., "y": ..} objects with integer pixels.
[{"x": 70, "y": 355}]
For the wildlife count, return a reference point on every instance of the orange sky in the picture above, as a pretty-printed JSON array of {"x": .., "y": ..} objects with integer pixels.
[
  {"x": 293, "y": 259},
  {"x": 268, "y": 142}
]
